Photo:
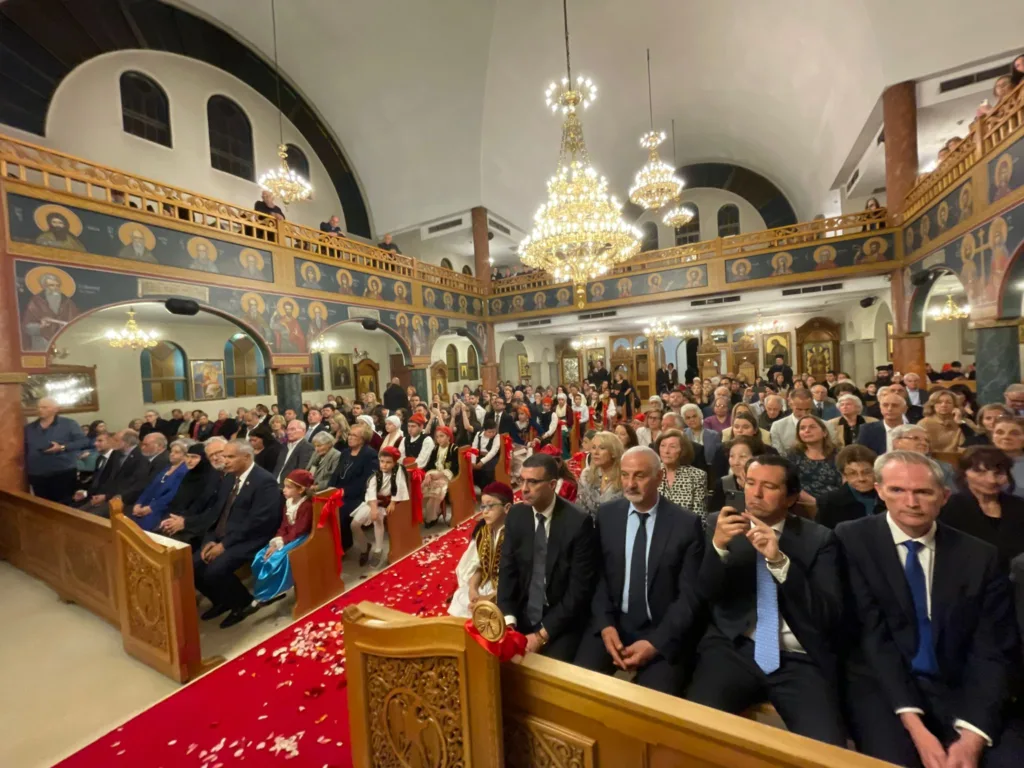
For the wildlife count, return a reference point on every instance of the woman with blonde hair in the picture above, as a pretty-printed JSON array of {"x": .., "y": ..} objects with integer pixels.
[
  {"x": 601, "y": 481},
  {"x": 682, "y": 484},
  {"x": 943, "y": 421}
]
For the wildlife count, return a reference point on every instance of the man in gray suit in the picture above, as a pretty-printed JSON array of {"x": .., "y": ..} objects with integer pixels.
[
  {"x": 296, "y": 454},
  {"x": 784, "y": 430}
]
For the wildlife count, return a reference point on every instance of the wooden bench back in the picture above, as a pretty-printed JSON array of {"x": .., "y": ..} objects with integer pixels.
[
  {"x": 460, "y": 490},
  {"x": 314, "y": 563}
]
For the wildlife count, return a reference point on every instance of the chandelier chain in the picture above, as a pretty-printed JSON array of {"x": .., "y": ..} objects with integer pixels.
[
  {"x": 565, "y": 20},
  {"x": 650, "y": 99},
  {"x": 277, "y": 72}
]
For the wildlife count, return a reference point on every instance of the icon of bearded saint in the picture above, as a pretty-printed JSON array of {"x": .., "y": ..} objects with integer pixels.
[{"x": 48, "y": 311}]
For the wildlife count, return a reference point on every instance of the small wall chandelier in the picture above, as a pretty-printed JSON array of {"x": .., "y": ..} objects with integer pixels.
[
  {"x": 656, "y": 184},
  {"x": 579, "y": 345},
  {"x": 283, "y": 182},
  {"x": 579, "y": 233},
  {"x": 760, "y": 327},
  {"x": 680, "y": 215},
  {"x": 322, "y": 344},
  {"x": 131, "y": 336},
  {"x": 950, "y": 310}
]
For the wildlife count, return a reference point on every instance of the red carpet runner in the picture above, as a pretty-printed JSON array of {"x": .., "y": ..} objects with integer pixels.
[{"x": 282, "y": 702}]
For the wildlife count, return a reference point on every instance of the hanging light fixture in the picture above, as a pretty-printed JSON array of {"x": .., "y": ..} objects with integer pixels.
[
  {"x": 131, "y": 336},
  {"x": 283, "y": 182},
  {"x": 760, "y": 327},
  {"x": 656, "y": 184},
  {"x": 582, "y": 344},
  {"x": 660, "y": 330},
  {"x": 322, "y": 344},
  {"x": 681, "y": 215},
  {"x": 579, "y": 233},
  {"x": 950, "y": 310}
]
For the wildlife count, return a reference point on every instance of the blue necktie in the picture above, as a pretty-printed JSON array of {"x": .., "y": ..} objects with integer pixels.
[
  {"x": 924, "y": 661},
  {"x": 766, "y": 635}
]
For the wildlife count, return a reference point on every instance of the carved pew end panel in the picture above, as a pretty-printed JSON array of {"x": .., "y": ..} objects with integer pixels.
[{"x": 156, "y": 602}]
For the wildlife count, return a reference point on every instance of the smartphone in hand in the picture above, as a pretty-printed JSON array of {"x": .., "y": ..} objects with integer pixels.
[{"x": 737, "y": 500}]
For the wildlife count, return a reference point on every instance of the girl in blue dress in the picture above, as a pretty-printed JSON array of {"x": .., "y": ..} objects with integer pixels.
[{"x": 270, "y": 567}]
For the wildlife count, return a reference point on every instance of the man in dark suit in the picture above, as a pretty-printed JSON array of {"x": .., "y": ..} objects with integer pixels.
[
  {"x": 891, "y": 410},
  {"x": 548, "y": 564},
  {"x": 315, "y": 424},
  {"x": 771, "y": 580},
  {"x": 936, "y": 657},
  {"x": 248, "y": 513},
  {"x": 913, "y": 413},
  {"x": 661, "y": 379},
  {"x": 224, "y": 426},
  {"x": 140, "y": 463},
  {"x": 107, "y": 463},
  {"x": 296, "y": 453},
  {"x": 154, "y": 423},
  {"x": 599, "y": 374},
  {"x": 395, "y": 396},
  {"x": 646, "y": 605},
  {"x": 504, "y": 420}
]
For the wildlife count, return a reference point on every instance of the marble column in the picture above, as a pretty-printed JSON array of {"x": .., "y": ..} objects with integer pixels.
[
  {"x": 288, "y": 382},
  {"x": 421, "y": 381},
  {"x": 899, "y": 115},
  {"x": 997, "y": 358},
  {"x": 12, "y": 438},
  {"x": 908, "y": 354}
]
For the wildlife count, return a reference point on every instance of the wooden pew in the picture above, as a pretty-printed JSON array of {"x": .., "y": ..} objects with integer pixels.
[
  {"x": 501, "y": 467},
  {"x": 426, "y": 687},
  {"x": 403, "y": 533},
  {"x": 314, "y": 564},
  {"x": 574, "y": 440},
  {"x": 139, "y": 583},
  {"x": 460, "y": 490}
]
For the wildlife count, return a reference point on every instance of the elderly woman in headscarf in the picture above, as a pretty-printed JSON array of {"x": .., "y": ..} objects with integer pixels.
[{"x": 187, "y": 518}]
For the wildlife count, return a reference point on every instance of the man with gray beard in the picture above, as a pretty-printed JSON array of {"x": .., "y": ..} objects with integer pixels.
[{"x": 47, "y": 312}]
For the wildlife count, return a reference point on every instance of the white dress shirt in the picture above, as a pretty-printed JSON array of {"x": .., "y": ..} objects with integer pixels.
[
  {"x": 480, "y": 441},
  {"x": 288, "y": 453},
  {"x": 787, "y": 640},
  {"x": 926, "y": 557}
]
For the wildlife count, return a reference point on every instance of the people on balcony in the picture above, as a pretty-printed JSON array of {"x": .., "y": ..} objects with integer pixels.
[
  {"x": 387, "y": 245},
  {"x": 332, "y": 226},
  {"x": 267, "y": 206}
]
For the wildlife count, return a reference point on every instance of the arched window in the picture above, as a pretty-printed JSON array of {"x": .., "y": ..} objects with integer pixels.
[
  {"x": 690, "y": 233},
  {"x": 451, "y": 357},
  {"x": 472, "y": 366},
  {"x": 144, "y": 108},
  {"x": 245, "y": 372},
  {"x": 313, "y": 379},
  {"x": 467, "y": 270},
  {"x": 163, "y": 374},
  {"x": 728, "y": 220},
  {"x": 650, "y": 241},
  {"x": 297, "y": 161},
  {"x": 447, "y": 264},
  {"x": 230, "y": 138}
]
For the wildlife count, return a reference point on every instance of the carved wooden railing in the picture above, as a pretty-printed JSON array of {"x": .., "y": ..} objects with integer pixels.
[
  {"x": 765, "y": 240},
  {"x": 341, "y": 248},
  {"x": 140, "y": 584},
  {"x": 986, "y": 133},
  {"x": 423, "y": 692}
]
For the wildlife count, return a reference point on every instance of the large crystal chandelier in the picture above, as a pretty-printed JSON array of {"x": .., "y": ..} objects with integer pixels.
[
  {"x": 283, "y": 182},
  {"x": 680, "y": 215},
  {"x": 579, "y": 233},
  {"x": 656, "y": 184},
  {"x": 582, "y": 344},
  {"x": 131, "y": 336},
  {"x": 760, "y": 328},
  {"x": 950, "y": 310},
  {"x": 323, "y": 344},
  {"x": 660, "y": 330}
]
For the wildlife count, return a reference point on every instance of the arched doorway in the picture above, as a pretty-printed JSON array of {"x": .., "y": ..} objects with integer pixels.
[
  {"x": 947, "y": 340},
  {"x": 351, "y": 347},
  {"x": 461, "y": 358},
  {"x": 513, "y": 362}
]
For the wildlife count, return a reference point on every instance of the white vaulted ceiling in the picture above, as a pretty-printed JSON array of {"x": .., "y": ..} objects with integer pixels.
[{"x": 439, "y": 104}]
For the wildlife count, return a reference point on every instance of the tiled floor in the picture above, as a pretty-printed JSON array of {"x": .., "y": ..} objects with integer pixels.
[{"x": 66, "y": 678}]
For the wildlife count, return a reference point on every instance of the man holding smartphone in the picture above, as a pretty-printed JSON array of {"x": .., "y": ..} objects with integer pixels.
[{"x": 771, "y": 580}]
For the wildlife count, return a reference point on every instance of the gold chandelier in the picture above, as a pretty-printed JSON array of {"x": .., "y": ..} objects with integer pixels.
[
  {"x": 283, "y": 182},
  {"x": 322, "y": 344},
  {"x": 681, "y": 215},
  {"x": 579, "y": 233},
  {"x": 760, "y": 327},
  {"x": 131, "y": 336},
  {"x": 656, "y": 184},
  {"x": 660, "y": 330},
  {"x": 582, "y": 344},
  {"x": 950, "y": 310}
]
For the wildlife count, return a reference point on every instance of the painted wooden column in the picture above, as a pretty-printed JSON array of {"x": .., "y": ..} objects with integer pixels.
[
  {"x": 288, "y": 383},
  {"x": 482, "y": 269},
  {"x": 899, "y": 115},
  {"x": 908, "y": 354},
  {"x": 12, "y": 437},
  {"x": 997, "y": 359}
]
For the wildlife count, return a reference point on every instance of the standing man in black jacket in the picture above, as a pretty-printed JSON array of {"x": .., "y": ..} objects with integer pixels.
[
  {"x": 599, "y": 374},
  {"x": 646, "y": 605},
  {"x": 248, "y": 513},
  {"x": 936, "y": 659},
  {"x": 395, "y": 396},
  {"x": 548, "y": 564},
  {"x": 771, "y": 580}
]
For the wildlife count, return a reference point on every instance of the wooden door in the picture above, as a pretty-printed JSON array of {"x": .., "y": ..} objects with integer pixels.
[
  {"x": 642, "y": 384},
  {"x": 399, "y": 370},
  {"x": 367, "y": 378},
  {"x": 708, "y": 358},
  {"x": 439, "y": 379}
]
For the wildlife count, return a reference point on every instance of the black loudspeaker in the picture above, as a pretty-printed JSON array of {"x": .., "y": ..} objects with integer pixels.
[
  {"x": 519, "y": 337},
  {"x": 182, "y": 306},
  {"x": 370, "y": 324},
  {"x": 868, "y": 301},
  {"x": 461, "y": 332},
  {"x": 923, "y": 278}
]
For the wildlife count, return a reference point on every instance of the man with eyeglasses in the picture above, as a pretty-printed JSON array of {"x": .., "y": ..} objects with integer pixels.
[{"x": 548, "y": 564}]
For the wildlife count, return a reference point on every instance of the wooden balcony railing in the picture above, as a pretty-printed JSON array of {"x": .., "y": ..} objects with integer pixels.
[
  {"x": 986, "y": 133},
  {"x": 65, "y": 173},
  {"x": 765, "y": 240}
]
